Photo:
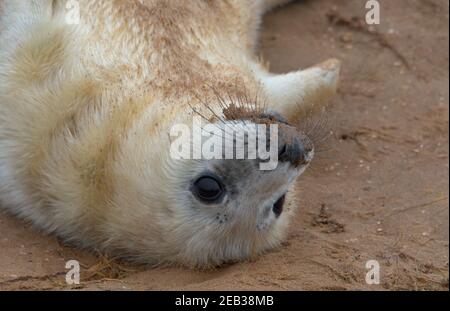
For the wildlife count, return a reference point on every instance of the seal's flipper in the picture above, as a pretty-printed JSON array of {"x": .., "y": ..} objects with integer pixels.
[{"x": 293, "y": 93}]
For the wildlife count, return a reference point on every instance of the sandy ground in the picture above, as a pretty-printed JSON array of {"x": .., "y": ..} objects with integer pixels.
[{"x": 379, "y": 191}]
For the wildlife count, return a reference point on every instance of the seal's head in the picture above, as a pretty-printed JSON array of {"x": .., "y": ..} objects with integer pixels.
[
  {"x": 211, "y": 206},
  {"x": 233, "y": 209}
]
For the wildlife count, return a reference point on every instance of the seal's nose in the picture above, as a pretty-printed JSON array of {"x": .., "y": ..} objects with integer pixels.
[{"x": 295, "y": 150}]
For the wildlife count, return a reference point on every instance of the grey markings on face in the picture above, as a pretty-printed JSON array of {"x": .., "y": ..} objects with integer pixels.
[{"x": 236, "y": 175}]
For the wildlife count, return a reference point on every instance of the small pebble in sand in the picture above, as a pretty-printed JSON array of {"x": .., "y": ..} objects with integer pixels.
[
  {"x": 347, "y": 37},
  {"x": 353, "y": 240},
  {"x": 391, "y": 31}
]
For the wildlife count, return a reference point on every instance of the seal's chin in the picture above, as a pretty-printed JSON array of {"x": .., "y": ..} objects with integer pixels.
[{"x": 278, "y": 206}]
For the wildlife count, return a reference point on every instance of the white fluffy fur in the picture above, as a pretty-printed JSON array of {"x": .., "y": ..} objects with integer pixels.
[{"x": 85, "y": 112}]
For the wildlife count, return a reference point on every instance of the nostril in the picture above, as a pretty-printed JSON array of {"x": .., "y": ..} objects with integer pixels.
[
  {"x": 278, "y": 206},
  {"x": 282, "y": 152},
  {"x": 293, "y": 152}
]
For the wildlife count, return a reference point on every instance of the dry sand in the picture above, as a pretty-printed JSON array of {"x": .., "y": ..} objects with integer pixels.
[{"x": 379, "y": 190}]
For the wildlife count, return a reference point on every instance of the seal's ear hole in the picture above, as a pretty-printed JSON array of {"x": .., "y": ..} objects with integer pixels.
[{"x": 208, "y": 189}]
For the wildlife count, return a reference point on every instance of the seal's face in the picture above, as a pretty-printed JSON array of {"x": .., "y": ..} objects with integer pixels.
[{"x": 231, "y": 209}]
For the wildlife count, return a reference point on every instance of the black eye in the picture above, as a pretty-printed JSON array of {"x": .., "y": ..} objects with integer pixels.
[{"x": 208, "y": 189}]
